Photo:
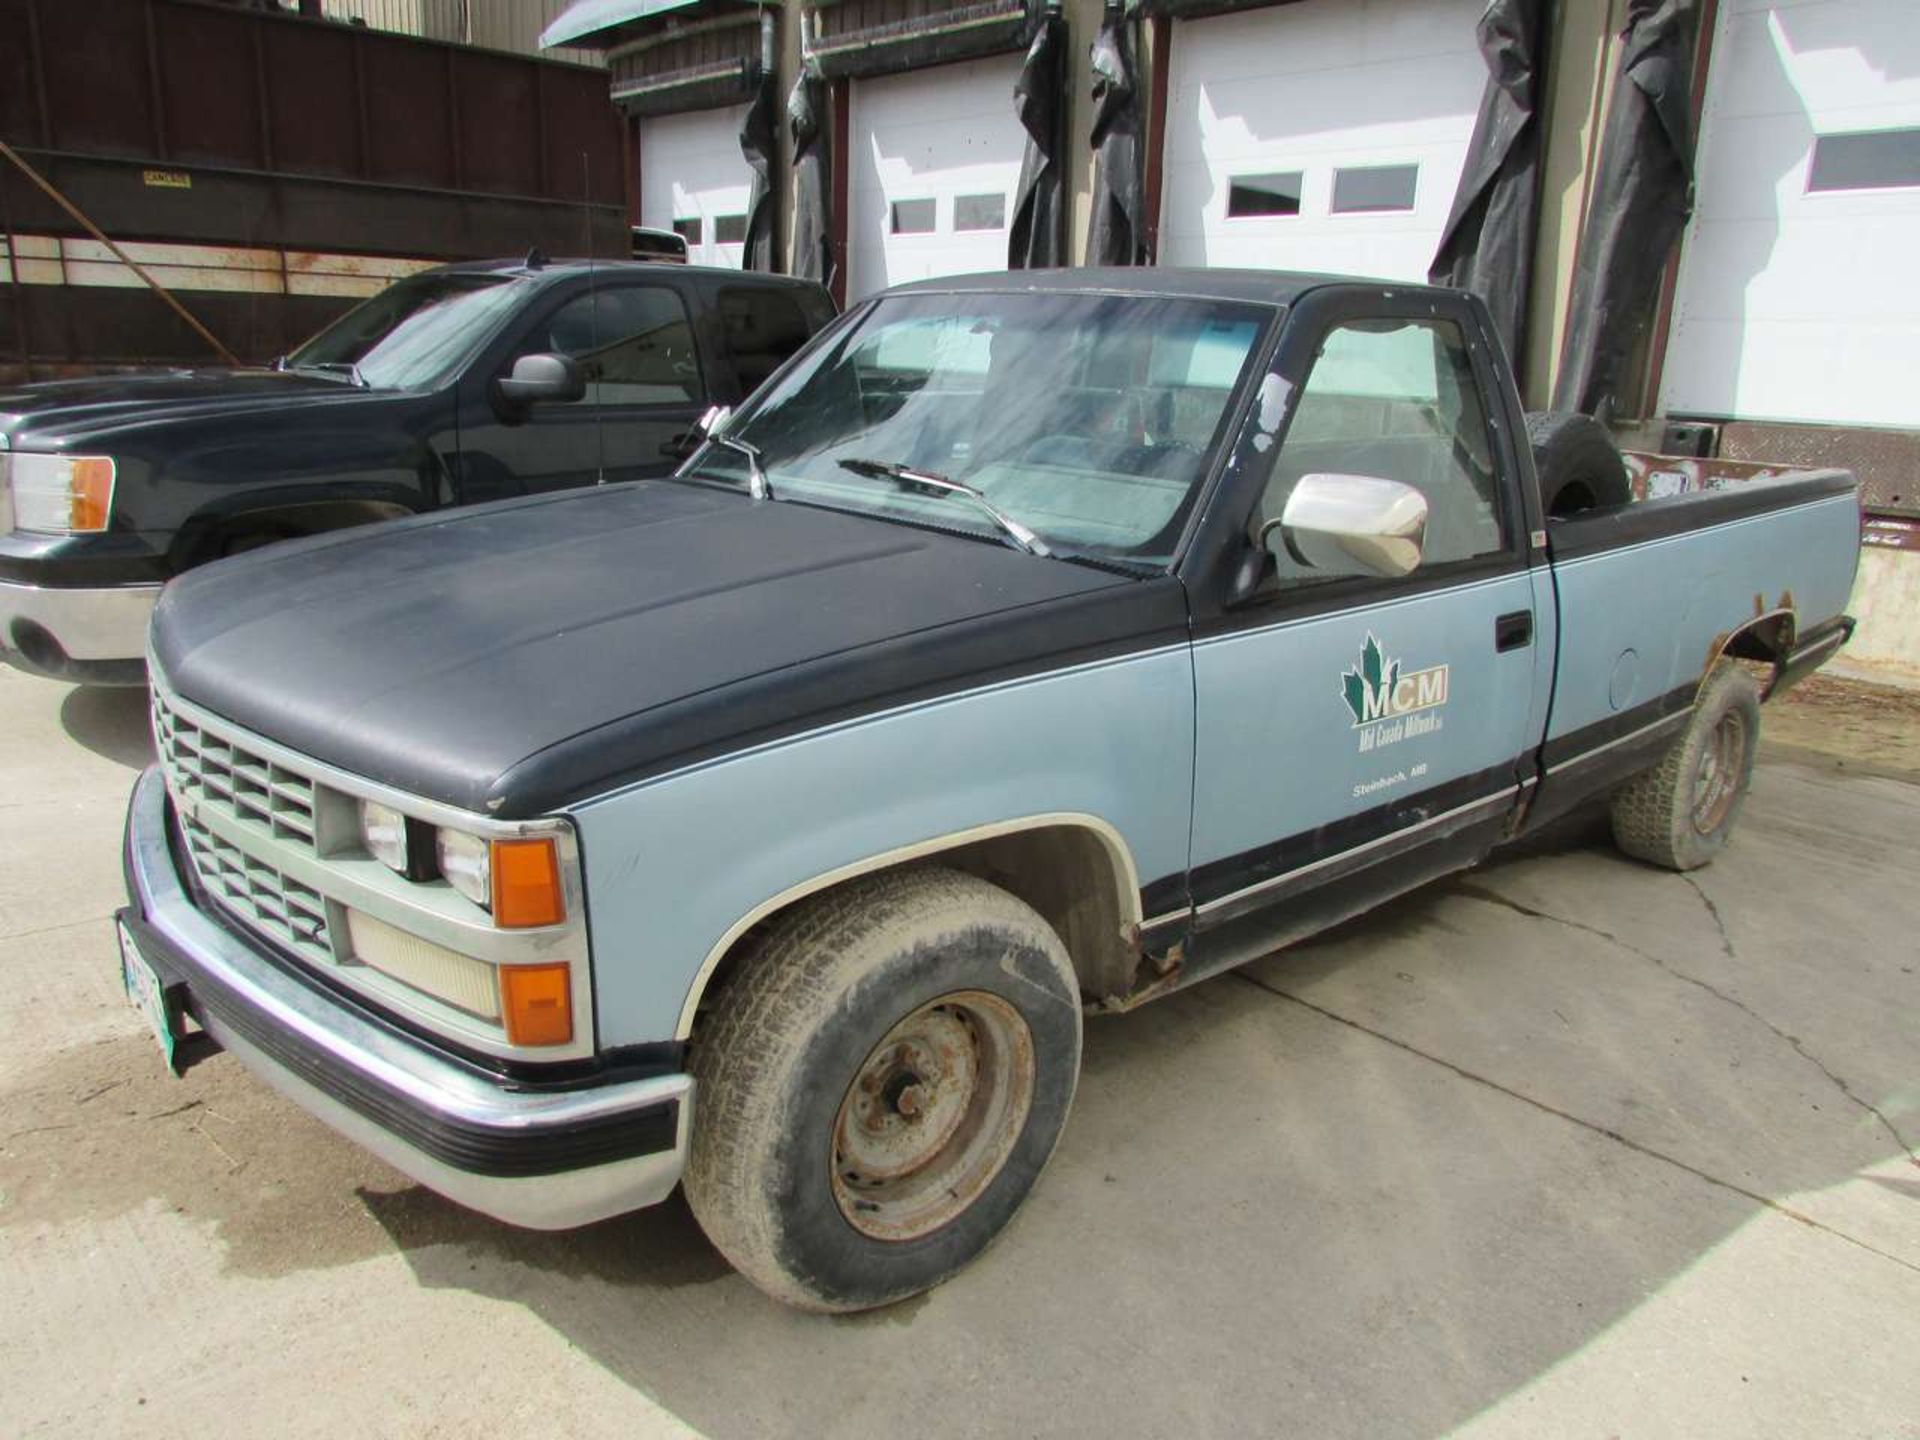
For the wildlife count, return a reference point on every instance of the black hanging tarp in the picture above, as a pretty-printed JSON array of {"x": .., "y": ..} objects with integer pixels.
[
  {"x": 759, "y": 136},
  {"x": 1116, "y": 234},
  {"x": 1038, "y": 236},
  {"x": 1487, "y": 246},
  {"x": 1642, "y": 195},
  {"x": 812, "y": 181}
]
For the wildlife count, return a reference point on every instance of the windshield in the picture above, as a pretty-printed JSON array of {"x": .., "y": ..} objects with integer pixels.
[
  {"x": 412, "y": 332},
  {"x": 1088, "y": 419}
]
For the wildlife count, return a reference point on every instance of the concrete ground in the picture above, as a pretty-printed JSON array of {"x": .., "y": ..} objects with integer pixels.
[{"x": 1564, "y": 1147}]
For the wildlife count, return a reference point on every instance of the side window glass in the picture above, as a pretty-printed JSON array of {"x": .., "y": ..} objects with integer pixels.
[
  {"x": 763, "y": 327},
  {"x": 634, "y": 342},
  {"x": 1397, "y": 400}
]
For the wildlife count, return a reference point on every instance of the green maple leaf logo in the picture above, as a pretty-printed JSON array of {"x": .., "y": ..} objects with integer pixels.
[
  {"x": 1376, "y": 676},
  {"x": 1356, "y": 694}
]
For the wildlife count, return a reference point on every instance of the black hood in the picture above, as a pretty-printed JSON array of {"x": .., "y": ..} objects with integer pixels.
[
  {"x": 74, "y": 411},
  {"x": 516, "y": 657}
]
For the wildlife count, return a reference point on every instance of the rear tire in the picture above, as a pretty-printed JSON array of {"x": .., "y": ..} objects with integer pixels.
[
  {"x": 1680, "y": 814},
  {"x": 1578, "y": 464},
  {"x": 883, "y": 1081}
]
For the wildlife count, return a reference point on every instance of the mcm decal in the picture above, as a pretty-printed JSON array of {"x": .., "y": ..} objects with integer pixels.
[{"x": 1389, "y": 703}]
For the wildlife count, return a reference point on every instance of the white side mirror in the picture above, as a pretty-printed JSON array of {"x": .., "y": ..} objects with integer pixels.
[{"x": 1344, "y": 523}]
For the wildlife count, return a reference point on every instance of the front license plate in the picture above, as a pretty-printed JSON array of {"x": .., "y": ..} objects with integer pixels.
[{"x": 146, "y": 993}]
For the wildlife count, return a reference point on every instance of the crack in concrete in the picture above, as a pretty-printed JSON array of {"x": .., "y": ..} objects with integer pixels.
[
  {"x": 53, "y": 929},
  {"x": 1473, "y": 1077},
  {"x": 1792, "y": 1041}
]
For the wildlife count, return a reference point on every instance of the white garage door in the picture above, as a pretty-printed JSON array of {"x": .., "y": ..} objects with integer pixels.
[
  {"x": 694, "y": 179},
  {"x": 1326, "y": 135},
  {"x": 936, "y": 157},
  {"x": 1799, "y": 292}
]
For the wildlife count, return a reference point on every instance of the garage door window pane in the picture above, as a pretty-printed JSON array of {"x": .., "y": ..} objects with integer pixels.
[
  {"x": 1398, "y": 401},
  {"x": 912, "y": 217},
  {"x": 1252, "y": 195},
  {"x": 1869, "y": 160},
  {"x": 980, "y": 212},
  {"x": 688, "y": 230},
  {"x": 634, "y": 344},
  {"x": 1362, "y": 189},
  {"x": 729, "y": 229}
]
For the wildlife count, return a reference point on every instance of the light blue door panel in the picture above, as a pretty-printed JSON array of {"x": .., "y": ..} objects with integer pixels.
[
  {"x": 1302, "y": 724},
  {"x": 672, "y": 864}
]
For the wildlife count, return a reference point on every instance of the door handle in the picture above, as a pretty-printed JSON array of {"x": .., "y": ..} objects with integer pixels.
[{"x": 1513, "y": 631}]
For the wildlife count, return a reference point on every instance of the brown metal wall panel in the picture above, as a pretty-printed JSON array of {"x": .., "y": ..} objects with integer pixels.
[
  {"x": 312, "y": 107},
  {"x": 19, "y": 105},
  {"x": 207, "y": 86},
  {"x": 499, "y": 119},
  {"x": 93, "y": 59},
  {"x": 409, "y": 125},
  {"x": 580, "y": 119},
  {"x": 1887, "y": 461}
]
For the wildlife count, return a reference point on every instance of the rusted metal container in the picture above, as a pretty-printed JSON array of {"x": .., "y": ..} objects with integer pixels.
[{"x": 273, "y": 168}]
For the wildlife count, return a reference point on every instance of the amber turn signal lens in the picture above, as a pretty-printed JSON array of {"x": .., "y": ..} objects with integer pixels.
[
  {"x": 536, "y": 1001},
  {"x": 526, "y": 884},
  {"x": 90, "y": 482}
]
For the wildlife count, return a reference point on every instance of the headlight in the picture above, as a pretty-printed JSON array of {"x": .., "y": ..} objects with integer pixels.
[
  {"x": 467, "y": 863},
  {"x": 384, "y": 833},
  {"x": 517, "y": 880},
  {"x": 60, "y": 494}
]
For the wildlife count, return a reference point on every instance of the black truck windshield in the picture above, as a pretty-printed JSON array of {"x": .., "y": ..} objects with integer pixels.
[
  {"x": 411, "y": 333},
  {"x": 1087, "y": 419}
]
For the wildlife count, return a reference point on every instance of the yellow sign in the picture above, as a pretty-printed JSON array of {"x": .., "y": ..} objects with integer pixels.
[{"x": 167, "y": 179}]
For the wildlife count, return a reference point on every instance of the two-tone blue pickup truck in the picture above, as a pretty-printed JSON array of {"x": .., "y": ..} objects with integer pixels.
[{"x": 1031, "y": 645}]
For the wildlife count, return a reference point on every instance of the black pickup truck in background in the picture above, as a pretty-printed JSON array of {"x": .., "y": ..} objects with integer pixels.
[{"x": 461, "y": 384}]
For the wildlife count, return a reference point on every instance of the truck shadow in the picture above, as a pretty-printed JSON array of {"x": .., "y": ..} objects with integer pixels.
[{"x": 112, "y": 721}]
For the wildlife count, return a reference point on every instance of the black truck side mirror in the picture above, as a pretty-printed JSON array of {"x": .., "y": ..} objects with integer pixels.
[{"x": 537, "y": 379}]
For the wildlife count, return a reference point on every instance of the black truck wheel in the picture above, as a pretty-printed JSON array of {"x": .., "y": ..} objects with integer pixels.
[
  {"x": 1578, "y": 464},
  {"x": 883, "y": 1081},
  {"x": 1680, "y": 813}
]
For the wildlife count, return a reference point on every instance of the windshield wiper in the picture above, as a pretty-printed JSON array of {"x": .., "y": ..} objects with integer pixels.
[
  {"x": 345, "y": 369},
  {"x": 940, "y": 484},
  {"x": 757, "y": 485}
]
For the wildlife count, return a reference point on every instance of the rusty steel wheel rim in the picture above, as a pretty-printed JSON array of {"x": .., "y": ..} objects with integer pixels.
[
  {"x": 1717, "y": 781},
  {"x": 932, "y": 1115}
]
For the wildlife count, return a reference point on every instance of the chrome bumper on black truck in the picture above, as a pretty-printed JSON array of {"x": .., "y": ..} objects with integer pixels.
[
  {"x": 544, "y": 1156},
  {"x": 89, "y": 635}
]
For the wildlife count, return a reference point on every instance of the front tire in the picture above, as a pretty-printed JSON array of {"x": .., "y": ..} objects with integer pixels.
[
  {"x": 1680, "y": 814},
  {"x": 882, "y": 1083}
]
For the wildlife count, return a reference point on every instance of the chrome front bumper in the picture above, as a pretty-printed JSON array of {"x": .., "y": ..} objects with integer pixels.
[
  {"x": 87, "y": 625},
  {"x": 545, "y": 1158}
]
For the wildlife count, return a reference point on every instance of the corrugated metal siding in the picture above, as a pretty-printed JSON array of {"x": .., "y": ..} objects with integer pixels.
[
  {"x": 513, "y": 25},
  {"x": 403, "y": 17},
  {"x": 516, "y": 25}
]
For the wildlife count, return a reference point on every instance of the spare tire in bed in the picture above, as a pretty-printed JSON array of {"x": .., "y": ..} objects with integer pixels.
[{"x": 1579, "y": 465}]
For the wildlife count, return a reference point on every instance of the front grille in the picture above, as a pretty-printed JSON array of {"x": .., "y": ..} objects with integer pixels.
[
  {"x": 272, "y": 838},
  {"x": 273, "y": 903},
  {"x": 219, "y": 774}
]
